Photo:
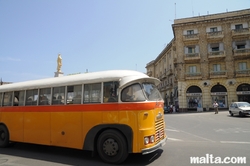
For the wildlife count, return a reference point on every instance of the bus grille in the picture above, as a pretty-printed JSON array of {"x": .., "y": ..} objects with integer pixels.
[{"x": 159, "y": 130}]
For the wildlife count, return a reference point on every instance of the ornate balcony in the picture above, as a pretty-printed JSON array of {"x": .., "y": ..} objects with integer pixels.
[
  {"x": 150, "y": 73},
  {"x": 215, "y": 35},
  {"x": 242, "y": 73},
  {"x": 191, "y": 37},
  {"x": 218, "y": 74},
  {"x": 242, "y": 53},
  {"x": 169, "y": 72},
  {"x": 240, "y": 32},
  {"x": 192, "y": 57},
  {"x": 216, "y": 54},
  {"x": 190, "y": 76}
]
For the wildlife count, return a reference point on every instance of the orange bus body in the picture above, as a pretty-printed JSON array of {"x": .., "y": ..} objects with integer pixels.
[
  {"x": 129, "y": 126},
  {"x": 68, "y": 125}
]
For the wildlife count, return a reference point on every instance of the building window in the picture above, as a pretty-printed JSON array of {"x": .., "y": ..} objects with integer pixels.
[
  {"x": 192, "y": 69},
  {"x": 214, "y": 29},
  {"x": 243, "y": 66},
  {"x": 191, "y": 50},
  {"x": 238, "y": 26},
  {"x": 215, "y": 48},
  {"x": 216, "y": 67},
  {"x": 190, "y": 32},
  {"x": 241, "y": 46}
]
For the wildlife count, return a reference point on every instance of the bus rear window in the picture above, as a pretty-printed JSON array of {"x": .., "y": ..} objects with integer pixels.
[{"x": 152, "y": 92}]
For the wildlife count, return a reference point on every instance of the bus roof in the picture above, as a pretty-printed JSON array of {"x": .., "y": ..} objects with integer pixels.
[{"x": 124, "y": 76}]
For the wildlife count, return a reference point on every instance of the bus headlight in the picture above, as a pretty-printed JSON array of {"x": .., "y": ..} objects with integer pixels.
[
  {"x": 149, "y": 139},
  {"x": 152, "y": 139},
  {"x": 146, "y": 140}
]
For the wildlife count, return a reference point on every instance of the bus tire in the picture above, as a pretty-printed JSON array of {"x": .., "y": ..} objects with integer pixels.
[
  {"x": 4, "y": 136},
  {"x": 112, "y": 147}
]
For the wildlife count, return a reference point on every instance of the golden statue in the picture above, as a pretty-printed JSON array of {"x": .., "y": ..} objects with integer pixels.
[{"x": 59, "y": 63}]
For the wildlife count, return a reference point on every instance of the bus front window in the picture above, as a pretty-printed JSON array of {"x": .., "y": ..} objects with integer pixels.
[
  {"x": 152, "y": 92},
  {"x": 133, "y": 93}
]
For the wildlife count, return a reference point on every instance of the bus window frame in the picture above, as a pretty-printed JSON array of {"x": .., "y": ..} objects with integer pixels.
[
  {"x": 10, "y": 102},
  {"x": 132, "y": 98},
  {"x": 40, "y": 101},
  {"x": 1, "y": 98},
  {"x": 55, "y": 101},
  {"x": 81, "y": 93},
  {"x": 33, "y": 97},
  {"x": 101, "y": 93}
]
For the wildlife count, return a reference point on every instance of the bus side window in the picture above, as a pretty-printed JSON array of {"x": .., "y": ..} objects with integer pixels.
[
  {"x": 74, "y": 94},
  {"x": 18, "y": 98},
  {"x": 110, "y": 91},
  {"x": 45, "y": 96},
  {"x": 92, "y": 93},
  {"x": 21, "y": 98},
  {"x": 1, "y": 99},
  {"x": 58, "y": 95},
  {"x": 7, "y": 99},
  {"x": 31, "y": 97}
]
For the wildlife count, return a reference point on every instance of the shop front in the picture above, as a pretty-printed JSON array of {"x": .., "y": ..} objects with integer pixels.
[
  {"x": 243, "y": 92},
  {"x": 194, "y": 98},
  {"x": 219, "y": 94}
]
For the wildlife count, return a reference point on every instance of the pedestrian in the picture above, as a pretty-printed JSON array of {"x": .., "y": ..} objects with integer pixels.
[
  {"x": 171, "y": 108},
  {"x": 174, "y": 109},
  {"x": 215, "y": 105}
]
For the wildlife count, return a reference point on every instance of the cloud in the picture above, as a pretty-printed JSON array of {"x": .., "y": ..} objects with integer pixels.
[{"x": 10, "y": 59}]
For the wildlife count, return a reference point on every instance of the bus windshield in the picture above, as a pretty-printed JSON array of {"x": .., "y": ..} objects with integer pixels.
[{"x": 152, "y": 92}]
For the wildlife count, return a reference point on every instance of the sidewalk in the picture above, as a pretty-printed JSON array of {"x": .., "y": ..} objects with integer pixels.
[{"x": 194, "y": 111}]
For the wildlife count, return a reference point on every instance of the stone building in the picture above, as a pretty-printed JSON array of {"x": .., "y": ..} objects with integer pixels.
[{"x": 208, "y": 59}]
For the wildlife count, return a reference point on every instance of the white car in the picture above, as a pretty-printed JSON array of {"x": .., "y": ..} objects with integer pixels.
[{"x": 239, "y": 108}]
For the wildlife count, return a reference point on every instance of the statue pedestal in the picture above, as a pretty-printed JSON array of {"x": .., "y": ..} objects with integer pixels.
[{"x": 58, "y": 74}]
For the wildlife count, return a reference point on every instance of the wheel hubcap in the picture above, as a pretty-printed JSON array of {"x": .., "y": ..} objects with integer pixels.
[
  {"x": 2, "y": 135},
  {"x": 110, "y": 147}
]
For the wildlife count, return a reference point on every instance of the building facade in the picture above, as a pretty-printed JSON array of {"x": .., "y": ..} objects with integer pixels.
[{"x": 208, "y": 59}]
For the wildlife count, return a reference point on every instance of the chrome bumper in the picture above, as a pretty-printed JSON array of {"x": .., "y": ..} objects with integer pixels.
[{"x": 154, "y": 148}]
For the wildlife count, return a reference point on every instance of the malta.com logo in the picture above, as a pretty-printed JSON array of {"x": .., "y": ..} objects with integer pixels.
[{"x": 210, "y": 159}]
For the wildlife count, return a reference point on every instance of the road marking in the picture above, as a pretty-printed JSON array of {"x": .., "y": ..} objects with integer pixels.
[
  {"x": 172, "y": 130},
  {"x": 174, "y": 139},
  {"x": 234, "y": 142}
]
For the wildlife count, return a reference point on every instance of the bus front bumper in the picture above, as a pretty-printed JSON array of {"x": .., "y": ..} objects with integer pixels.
[{"x": 154, "y": 148}]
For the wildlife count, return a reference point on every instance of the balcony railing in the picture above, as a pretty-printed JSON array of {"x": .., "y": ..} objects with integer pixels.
[
  {"x": 169, "y": 72},
  {"x": 193, "y": 74},
  {"x": 242, "y": 53},
  {"x": 215, "y": 34},
  {"x": 241, "y": 31},
  {"x": 192, "y": 56},
  {"x": 222, "y": 72},
  {"x": 216, "y": 54},
  {"x": 191, "y": 37},
  {"x": 149, "y": 73},
  {"x": 245, "y": 71}
]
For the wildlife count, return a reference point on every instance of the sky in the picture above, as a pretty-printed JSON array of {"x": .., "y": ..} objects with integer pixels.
[{"x": 91, "y": 35}]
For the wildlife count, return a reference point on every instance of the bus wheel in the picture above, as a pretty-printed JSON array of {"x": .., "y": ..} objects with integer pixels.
[
  {"x": 4, "y": 136},
  {"x": 112, "y": 147}
]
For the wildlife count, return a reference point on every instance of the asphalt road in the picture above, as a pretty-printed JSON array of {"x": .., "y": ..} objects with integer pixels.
[{"x": 189, "y": 135}]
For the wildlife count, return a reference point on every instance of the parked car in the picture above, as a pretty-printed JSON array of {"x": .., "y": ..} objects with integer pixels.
[
  {"x": 166, "y": 109},
  {"x": 239, "y": 108}
]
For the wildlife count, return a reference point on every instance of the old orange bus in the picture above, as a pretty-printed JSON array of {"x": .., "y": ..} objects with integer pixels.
[{"x": 112, "y": 112}]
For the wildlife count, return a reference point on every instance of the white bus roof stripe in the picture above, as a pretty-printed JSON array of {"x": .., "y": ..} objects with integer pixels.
[{"x": 124, "y": 76}]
